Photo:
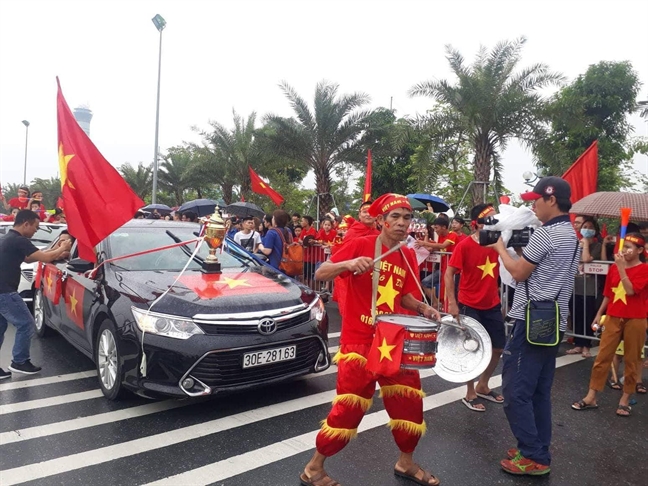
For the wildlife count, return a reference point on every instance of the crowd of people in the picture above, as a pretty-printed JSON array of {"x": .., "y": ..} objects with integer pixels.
[{"x": 32, "y": 200}]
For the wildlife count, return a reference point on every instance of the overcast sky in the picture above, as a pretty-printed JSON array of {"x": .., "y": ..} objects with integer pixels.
[{"x": 222, "y": 54}]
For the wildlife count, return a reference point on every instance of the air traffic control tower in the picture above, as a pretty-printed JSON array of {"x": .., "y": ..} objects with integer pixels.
[{"x": 83, "y": 115}]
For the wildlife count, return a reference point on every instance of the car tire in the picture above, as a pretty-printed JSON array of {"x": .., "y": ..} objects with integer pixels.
[
  {"x": 108, "y": 361},
  {"x": 42, "y": 329}
]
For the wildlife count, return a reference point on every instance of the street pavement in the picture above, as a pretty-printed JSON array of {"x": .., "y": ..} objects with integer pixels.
[{"x": 57, "y": 429}]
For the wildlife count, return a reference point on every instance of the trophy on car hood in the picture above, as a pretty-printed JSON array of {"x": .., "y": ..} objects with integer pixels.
[{"x": 215, "y": 230}]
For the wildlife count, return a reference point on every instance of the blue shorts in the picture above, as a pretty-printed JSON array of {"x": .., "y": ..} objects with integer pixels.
[{"x": 491, "y": 319}]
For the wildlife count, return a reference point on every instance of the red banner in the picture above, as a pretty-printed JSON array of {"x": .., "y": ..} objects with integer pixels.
[
  {"x": 367, "y": 188},
  {"x": 52, "y": 283},
  {"x": 261, "y": 187},
  {"x": 386, "y": 350},
  {"x": 583, "y": 174}
]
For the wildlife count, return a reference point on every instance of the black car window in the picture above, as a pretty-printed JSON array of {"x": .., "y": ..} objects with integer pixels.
[{"x": 130, "y": 240}]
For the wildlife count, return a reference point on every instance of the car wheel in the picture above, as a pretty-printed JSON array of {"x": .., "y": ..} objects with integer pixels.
[
  {"x": 42, "y": 329},
  {"x": 108, "y": 361}
]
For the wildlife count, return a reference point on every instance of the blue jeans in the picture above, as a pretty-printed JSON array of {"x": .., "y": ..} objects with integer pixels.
[
  {"x": 13, "y": 309},
  {"x": 527, "y": 377}
]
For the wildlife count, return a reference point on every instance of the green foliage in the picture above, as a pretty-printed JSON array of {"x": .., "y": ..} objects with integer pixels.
[
  {"x": 139, "y": 179},
  {"x": 51, "y": 189},
  {"x": 489, "y": 104},
  {"x": 593, "y": 107}
]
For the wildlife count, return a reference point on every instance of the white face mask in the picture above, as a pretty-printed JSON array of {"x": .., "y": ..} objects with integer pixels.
[{"x": 587, "y": 233}]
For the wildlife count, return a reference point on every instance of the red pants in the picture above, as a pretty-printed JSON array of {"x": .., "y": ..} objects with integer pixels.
[{"x": 356, "y": 386}]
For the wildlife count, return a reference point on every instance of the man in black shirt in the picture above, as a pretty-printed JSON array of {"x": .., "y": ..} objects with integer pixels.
[{"x": 15, "y": 248}]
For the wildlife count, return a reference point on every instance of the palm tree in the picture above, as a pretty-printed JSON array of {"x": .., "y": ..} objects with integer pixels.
[
  {"x": 491, "y": 104},
  {"x": 322, "y": 138},
  {"x": 174, "y": 171},
  {"x": 139, "y": 179}
]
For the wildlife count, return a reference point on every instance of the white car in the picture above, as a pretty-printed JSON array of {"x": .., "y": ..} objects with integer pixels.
[{"x": 46, "y": 234}]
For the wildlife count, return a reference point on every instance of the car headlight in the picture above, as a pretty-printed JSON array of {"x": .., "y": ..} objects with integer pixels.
[
  {"x": 317, "y": 310},
  {"x": 164, "y": 325}
]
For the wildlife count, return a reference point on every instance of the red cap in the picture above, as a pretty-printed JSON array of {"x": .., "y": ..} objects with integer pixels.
[{"x": 387, "y": 202}]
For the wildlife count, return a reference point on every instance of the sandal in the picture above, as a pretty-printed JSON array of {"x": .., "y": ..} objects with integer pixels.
[
  {"x": 624, "y": 408},
  {"x": 411, "y": 473},
  {"x": 615, "y": 385},
  {"x": 472, "y": 405},
  {"x": 574, "y": 351},
  {"x": 640, "y": 388},
  {"x": 583, "y": 406},
  {"x": 586, "y": 354},
  {"x": 491, "y": 396},
  {"x": 319, "y": 479}
]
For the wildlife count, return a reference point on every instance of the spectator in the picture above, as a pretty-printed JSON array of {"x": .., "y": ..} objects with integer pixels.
[
  {"x": 625, "y": 302},
  {"x": 139, "y": 215},
  {"x": 307, "y": 238},
  {"x": 235, "y": 227},
  {"x": 445, "y": 244},
  {"x": 16, "y": 248},
  {"x": 272, "y": 244},
  {"x": 325, "y": 236},
  {"x": 457, "y": 226},
  {"x": 189, "y": 216},
  {"x": 37, "y": 195},
  {"x": 297, "y": 232},
  {"x": 365, "y": 225},
  {"x": 578, "y": 223},
  {"x": 295, "y": 222},
  {"x": 12, "y": 215},
  {"x": 19, "y": 202},
  {"x": 643, "y": 229},
  {"x": 35, "y": 206},
  {"x": 57, "y": 217},
  {"x": 176, "y": 215},
  {"x": 586, "y": 290},
  {"x": 248, "y": 237}
]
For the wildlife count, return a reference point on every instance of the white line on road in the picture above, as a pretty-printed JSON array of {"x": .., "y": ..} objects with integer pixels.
[
  {"x": 49, "y": 402},
  {"x": 16, "y": 385},
  {"x": 101, "y": 455},
  {"x": 334, "y": 335}
]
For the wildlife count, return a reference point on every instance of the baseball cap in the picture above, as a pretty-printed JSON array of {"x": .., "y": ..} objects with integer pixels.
[{"x": 548, "y": 186}]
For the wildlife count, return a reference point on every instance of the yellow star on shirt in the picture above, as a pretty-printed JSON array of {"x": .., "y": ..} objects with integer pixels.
[
  {"x": 73, "y": 303},
  {"x": 232, "y": 283},
  {"x": 63, "y": 164},
  {"x": 385, "y": 350},
  {"x": 619, "y": 293},
  {"x": 487, "y": 268},
  {"x": 387, "y": 294}
]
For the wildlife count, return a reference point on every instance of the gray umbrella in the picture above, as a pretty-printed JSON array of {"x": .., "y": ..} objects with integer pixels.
[{"x": 244, "y": 209}]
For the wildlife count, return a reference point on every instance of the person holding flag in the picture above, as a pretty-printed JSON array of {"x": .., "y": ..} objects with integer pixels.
[{"x": 368, "y": 354}]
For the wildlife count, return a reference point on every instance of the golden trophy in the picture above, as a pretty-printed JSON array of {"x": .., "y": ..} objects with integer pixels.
[{"x": 215, "y": 230}]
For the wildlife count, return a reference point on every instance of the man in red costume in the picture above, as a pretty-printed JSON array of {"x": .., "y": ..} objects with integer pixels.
[{"x": 396, "y": 291}]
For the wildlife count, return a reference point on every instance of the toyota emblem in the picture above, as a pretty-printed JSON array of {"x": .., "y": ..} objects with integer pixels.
[{"x": 267, "y": 326}]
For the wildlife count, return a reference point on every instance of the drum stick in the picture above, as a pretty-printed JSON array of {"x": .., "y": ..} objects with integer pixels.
[{"x": 388, "y": 252}]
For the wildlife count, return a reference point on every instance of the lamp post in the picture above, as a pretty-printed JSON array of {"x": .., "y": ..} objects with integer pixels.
[
  {"x": 26, "y": 123},
  {"x": 160, "y": 24}
]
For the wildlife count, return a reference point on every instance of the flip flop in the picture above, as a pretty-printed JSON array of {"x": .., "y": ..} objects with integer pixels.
[
  {"x": 615, "y": 385},
  {"x": 471, "y": 405},
  {"x": 410, "y": 475},
  {"x": 625, "y": 408},
  {"x": 579, "y": 406},
  {"x": 640, "y": 388},
  {"x": 317, "y": 480},
  {"x": 491, "y": 396}
]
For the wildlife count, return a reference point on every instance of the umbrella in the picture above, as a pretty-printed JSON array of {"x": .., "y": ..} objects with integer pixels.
[
  {"x": 416, "y": 204},
  {"x": 244, "y": 209},
  {"x": 438, "y": 204},
  {"x": 202, "y": 207},
  {"x": 161, "y": 208},
  {"x": 609, "y": 204}
]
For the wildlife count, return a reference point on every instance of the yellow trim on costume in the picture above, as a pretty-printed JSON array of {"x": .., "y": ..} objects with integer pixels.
[
  {"x": 409, "y": 427},
  {"x": 401, "y": 390},
  {"x": 354, "y": 401},
  {"x": 349, "y": 357},
  {"x": 343, "y": 434}
]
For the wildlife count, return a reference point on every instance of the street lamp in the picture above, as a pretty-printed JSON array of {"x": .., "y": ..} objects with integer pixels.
[
  {"x": 160, "y": 24},
  {"x": 530, "y": 177},
  {"x": 26, "y": 123}
]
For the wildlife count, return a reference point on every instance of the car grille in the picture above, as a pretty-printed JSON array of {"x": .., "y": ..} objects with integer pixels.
[
  {"x": 28, "y": 274},
  {"x": 235, "y": 328},
  {"x": 221, "y": 369}
]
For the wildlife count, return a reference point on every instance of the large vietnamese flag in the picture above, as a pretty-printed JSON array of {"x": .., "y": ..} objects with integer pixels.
[
  {"x": 367, "y": 188},
  {"x": 261, "y": 187},
  {"x": 583, "y": 174},
  {"x": 97, "y": 199}
]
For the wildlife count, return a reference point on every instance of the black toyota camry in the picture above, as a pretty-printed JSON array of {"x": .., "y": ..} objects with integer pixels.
[{"x": 155, "y": 330}]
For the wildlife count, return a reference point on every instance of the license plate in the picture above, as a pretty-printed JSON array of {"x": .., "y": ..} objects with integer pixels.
[{"x": 269, "y": 356}]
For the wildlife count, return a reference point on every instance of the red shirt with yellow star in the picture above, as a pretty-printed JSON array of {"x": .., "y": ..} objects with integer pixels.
[
  {"x": 479, "y": 267},
  {"x": 621, "y": 304},
  {"x": 395, "y": 281}
]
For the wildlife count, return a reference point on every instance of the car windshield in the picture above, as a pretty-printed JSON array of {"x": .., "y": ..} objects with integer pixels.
[{"x": 134, "y": 240}]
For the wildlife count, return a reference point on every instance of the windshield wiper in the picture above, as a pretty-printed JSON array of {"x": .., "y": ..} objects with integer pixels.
[
  {"x": 40, "y": 240},
  {"x": 187, "y": 251}
]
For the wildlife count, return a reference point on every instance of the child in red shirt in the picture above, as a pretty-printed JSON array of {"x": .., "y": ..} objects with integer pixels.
[{"x": 625, "y": 297}]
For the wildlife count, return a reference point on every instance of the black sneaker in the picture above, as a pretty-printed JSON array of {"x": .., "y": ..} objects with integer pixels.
[
  {"x": 26, "y": 368},
  {"x": 4, "y": 374}
]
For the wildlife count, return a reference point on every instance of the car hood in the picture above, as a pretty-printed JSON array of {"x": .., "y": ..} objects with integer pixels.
[{"x": 234, "y": 291}]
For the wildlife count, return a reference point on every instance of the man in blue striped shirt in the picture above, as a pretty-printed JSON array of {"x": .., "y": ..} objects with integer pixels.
[{"x": 548, "y": 266}]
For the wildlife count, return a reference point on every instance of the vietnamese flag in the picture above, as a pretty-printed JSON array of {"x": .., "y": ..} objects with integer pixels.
[
  {"x": 74, "y": 293},
  {"x": 52, "y": 283},
  {"x": 97, "y": 200},
  {"x": 367, "y": 188},
  {"x": 583, "y": 174},
  {"x": 214, "y": 285},
  {"x": 261, "y": 187},
  {"x": 386, "y": 350}
]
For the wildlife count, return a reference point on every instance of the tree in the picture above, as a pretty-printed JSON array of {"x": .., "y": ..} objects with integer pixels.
[
  {"x": 174, "y": 172},
  {"x": 51, "y": 189},
  {"x": 139, "y": 179},
  {"x": 322, "y": 138},
  {"x": 593, "y": 107},
  {"x": 490, "y": 103}
]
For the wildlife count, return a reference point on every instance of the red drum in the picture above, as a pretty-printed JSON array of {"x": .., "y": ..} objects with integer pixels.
[{"x": 420, "y": 346}]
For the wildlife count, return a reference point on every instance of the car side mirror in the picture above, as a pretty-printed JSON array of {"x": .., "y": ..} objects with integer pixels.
[{"x": 79, "y": 265}]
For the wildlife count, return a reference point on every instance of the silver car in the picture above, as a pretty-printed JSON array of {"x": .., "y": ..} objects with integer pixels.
[{"x": 46, "y": 234}]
